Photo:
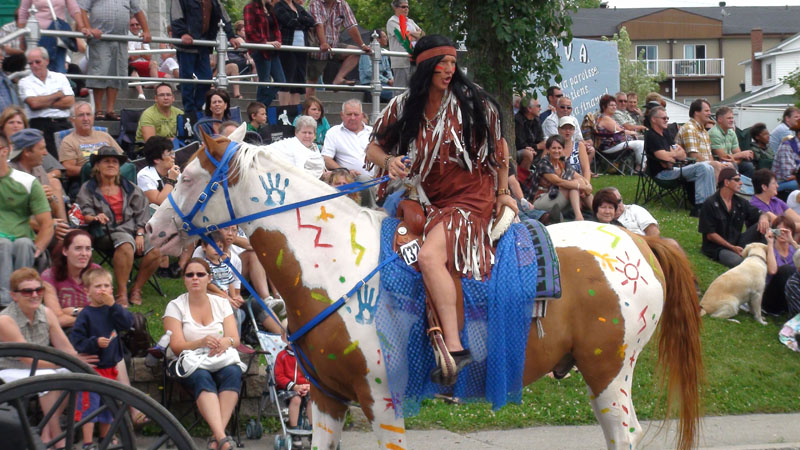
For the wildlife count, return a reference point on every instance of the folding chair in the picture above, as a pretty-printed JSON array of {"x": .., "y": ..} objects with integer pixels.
[
  {"x": 128, "y": 123},
  {"x": 104, "y": 246},
  {"x": 679, "y": 191}
]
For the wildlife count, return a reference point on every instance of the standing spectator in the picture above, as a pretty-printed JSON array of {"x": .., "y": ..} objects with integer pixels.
[
  {"x": 23, "y": 197},
  {"x": 190, "y": 20},
  {"x": 330, "y": 17},
  {"x": 8, "y": 91},
  {"x": 403, "y": 34},
  {"x": 384, "y": 69},
  {"x": 694, "y": 138},
  {"x": 58, "y": 60},
  {"x": 261, "y": 27},
  {"x": 786, "y": 163},
  {"x": 722, "y": 217},
  {"x": 662, "y": 156},
  {"x": 346, "y": 144},
  {"x": 97, "y": 332},
  {"x": 161, "y": 119},
  {"x": 791, "y": 116},
  {"x": 13, "y": 47},
  {"x": 295, "y": 23},
  {"x": 725, "y": 145},
  {"x": 109, "y": 58},
  {"x": 633, "y": 108},
  {"x": 553, "y": 94},
  {"x": 47, "y": 96},
  {"x": 27, "y": 156},
  {"x": 762, "y": 154}
]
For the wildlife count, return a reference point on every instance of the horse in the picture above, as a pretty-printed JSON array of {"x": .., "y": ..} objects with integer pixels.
[{"x": 616, "y": 288}]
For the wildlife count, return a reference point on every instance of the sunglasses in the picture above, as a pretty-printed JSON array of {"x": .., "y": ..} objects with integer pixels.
[
  {"x": 663, "y": 117},
  {"x": 30, "y": 292},
  {"x": 565, "y": 107},
  {"x": 195, "y": 274}
]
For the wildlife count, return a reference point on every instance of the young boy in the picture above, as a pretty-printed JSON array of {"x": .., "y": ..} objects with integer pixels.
[
  {"x": 291, "y": 383},
  {"x": 95, "y": 333},
  {"x": 257, "y": 113}
]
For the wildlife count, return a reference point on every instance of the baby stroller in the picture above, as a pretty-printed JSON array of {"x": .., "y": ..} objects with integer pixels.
[{"x": 271, "y": 345}]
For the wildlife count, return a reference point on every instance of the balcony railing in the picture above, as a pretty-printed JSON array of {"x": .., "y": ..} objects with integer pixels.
[{"x": 686, "y": 68}]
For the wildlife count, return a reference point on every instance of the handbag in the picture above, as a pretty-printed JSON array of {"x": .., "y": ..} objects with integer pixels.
[
  {"x": 191, "y": 360},
  {"x": 50, "y": 42}
]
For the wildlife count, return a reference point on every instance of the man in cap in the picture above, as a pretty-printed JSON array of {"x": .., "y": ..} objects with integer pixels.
[
  {"x": 22, "y": 197},
  {"x": 28, "y": 152},
  {"x": 722, "y": 216}
]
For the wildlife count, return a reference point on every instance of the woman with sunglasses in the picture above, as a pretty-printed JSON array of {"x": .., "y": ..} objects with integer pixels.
[{"x": 196, "y": 320}]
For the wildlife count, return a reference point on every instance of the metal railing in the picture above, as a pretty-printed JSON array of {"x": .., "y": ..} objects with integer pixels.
[
  {"x": 686, "y": 68},
  {"x": 32, "y": 33}
]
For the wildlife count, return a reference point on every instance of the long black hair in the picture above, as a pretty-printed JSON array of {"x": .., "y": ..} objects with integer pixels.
[{"x": 472, "y": 102}]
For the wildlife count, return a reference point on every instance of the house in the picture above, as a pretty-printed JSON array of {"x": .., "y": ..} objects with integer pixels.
[{"x": 698, "y": 49}]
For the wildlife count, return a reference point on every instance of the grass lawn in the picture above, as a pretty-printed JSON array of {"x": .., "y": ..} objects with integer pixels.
[{"x": 747, "y": 369}]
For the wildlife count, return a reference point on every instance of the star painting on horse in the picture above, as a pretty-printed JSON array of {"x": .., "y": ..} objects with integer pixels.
[{"x": 616, "y": 288}]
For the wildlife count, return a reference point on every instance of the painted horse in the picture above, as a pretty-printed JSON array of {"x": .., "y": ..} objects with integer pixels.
[{"x": 616, "y": 288}]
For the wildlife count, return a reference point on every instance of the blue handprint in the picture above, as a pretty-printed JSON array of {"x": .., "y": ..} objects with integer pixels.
[
  {"x": 274, "y": 187},
  {"x": 366, "y": 305}
]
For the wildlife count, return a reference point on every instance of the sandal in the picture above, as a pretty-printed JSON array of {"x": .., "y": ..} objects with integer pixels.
[
  {"x": 135, "y": 297},
  {"x": 111, "y": 115},
  {"x": 210, "y": 441},
  {"x": 140, "y": 420},
  {"x": 99, "y": 115},
  {"x": 122, "y": 299},
  {"x": 226, "y": 440}
]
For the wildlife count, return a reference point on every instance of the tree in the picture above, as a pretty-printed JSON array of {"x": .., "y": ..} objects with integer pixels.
[
  {"x": 793, "y": 80},
  {"x": 633, "y": 76}
]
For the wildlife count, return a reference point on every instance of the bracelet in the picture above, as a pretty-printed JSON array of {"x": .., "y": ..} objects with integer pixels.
[
  {"x": 170, "y": 182},
  {"x": 505, "y": 191},
  {"x": 232, "y": 341},
  {"x": 386, "y": 162}
]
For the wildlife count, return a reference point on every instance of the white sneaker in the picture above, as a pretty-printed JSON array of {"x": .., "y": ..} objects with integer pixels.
[
  {"x": 142, "y": 97},
  {"x": 277, "y": 305}
]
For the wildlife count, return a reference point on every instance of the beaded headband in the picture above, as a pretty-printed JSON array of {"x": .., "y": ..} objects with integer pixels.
[{"x": 436, "y": 51}]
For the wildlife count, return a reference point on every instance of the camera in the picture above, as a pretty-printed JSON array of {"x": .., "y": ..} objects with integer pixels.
[{"x": 776, "y": 232}]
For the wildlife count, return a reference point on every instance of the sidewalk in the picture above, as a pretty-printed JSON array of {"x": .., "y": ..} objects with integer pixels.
[{"x": 759, "y": 431}]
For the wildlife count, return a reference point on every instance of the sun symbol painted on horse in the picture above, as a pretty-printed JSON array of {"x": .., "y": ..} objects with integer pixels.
[{"x": 631, "y": 271}]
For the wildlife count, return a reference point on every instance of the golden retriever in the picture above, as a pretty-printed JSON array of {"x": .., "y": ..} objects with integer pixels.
[{"x": 739, "y": 285}]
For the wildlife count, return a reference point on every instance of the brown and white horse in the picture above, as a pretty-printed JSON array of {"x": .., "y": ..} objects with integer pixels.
[{"x": 617, "y": 287}]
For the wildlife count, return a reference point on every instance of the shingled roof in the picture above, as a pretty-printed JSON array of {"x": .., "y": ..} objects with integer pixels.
[{"x": 593, "y": 22}]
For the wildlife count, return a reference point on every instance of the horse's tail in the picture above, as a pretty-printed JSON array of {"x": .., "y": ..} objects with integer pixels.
[{"x": 679, "y": 352}]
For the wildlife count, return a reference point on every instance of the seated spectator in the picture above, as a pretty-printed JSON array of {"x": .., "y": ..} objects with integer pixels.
[
  {"x": 766, "y": 197},
  {"x": 633, "y": 109},
  {"x": 160, "y": 119},
  {"x": 604, "y": 207},
  {"x": 218, "y": 108},
  {"x": 65, "y": 293},
  {"x": 97, "y": 331},
  {"x": 27, "y": 320},
  {"x": 781, "y": 248},
  {"x": 256, "y": 116},
  {"x": 636, "y": 219},
  {"x": 293, "y": 387},
  {"x": 611, "y": 137},
  {"x": 231, "y": 68},
  {"x": 27, "y": 156},
  {"x": 725, "y": 145},
  {"x": 553, "y": 94},
  {"x": 557, "y": 184},
  {"x": 119, "y": 211},
  {"x": 340, "y": 177},
  {"x": 528, "y": 134},
  {"x": 562, "y": 108},
  {"x": 142, "y": 65},
  {"x": 23, "y": 198},
  {"x": 345, "y": 146},
  {"x": 763, "y": 156},
  {"x": 623, "y": 117},
  {"x": 694, "y": 138},
  {"x": 786, "y": 163},
  {"x": 198, "y": 320},
  {"x": 662, "y": 156},
  {"x": 13, "y": 119},
  {"x": 791, "y": 116},
  {"x": 223, "y": 282},
  {"x": 313, "y": 107},
  {"x": 385, "y": 69},
  {"x": 169, "y": 62},
  {"x": 81, "y": 143},
  {"x": 791, "y": 291},
  {"x": 576, "y": 154},
  {"x": 158, "y": 178},
  {"x": 652, "y": 100},
  {"x": 301, "y": 150},
  {"x": 721, "y": 220}
]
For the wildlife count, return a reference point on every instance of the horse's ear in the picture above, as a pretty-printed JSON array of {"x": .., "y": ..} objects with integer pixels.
[{"x": 215, "y": 146}]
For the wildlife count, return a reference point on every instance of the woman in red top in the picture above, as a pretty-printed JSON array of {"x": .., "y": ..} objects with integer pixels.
[
  {"x": 444, "y": 133},
  {"x": 261, "y": 27}
]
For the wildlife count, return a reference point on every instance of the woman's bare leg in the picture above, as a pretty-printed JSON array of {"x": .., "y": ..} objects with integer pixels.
[{"x": 440, "y": 285}]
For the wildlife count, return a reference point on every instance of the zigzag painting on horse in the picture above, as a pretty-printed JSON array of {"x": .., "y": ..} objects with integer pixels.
[{"x": 616, "y": 288}]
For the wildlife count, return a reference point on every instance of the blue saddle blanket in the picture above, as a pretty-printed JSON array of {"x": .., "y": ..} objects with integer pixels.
[{"x": 497, "y": 320}]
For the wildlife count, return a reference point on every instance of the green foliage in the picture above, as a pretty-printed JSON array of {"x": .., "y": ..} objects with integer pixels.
[
  {"x": 588, "y": 3},
  {"x": 793, "y": 80},
  {"x": 633, "y": 76},
  {"x": 372, "y": 14},
  {"x": 235, "y": 9}
]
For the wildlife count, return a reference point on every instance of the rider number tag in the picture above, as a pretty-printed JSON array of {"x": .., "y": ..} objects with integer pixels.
[{"x": 410, "y": 252}]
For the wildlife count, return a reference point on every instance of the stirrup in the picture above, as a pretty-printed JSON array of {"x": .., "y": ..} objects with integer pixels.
[{"x": 461, "y": 361}]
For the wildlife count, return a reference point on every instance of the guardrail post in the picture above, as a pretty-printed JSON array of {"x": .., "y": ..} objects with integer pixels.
[
  {"x": 375, "y": 45},
  {"x": 34, "y": 34},
  {"x": 222, "y": 49}
]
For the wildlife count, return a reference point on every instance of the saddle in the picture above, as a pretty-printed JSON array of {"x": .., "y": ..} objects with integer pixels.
[{"x": 407, "y": 241}]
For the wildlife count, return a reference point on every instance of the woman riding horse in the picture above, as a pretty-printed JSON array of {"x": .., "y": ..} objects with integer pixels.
[{"x": 445, "y": 133}]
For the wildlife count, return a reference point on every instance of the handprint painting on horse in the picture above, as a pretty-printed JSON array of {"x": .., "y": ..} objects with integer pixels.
[{"x": 616, "y": 289}]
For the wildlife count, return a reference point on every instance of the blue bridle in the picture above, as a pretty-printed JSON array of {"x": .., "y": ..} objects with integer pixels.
[{"x": 220, "y": 179}]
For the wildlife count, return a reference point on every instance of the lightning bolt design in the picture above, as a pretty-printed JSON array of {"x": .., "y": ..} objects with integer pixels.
[
  {"x": 355, "y": 245},
  {"x": 300, "y": 226}
]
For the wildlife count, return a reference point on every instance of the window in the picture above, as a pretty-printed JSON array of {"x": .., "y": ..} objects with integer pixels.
[
  {"x": 696, "y": 52},
  {"x": 768, "y": 71},
  {"x": 648, "y": 53}
]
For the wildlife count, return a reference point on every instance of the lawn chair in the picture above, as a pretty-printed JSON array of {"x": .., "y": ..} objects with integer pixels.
[
  {"x": 128, "y": 124},
  {"x": 648, "y": 189}
]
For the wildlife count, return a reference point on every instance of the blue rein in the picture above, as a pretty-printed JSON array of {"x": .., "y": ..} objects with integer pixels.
[{"x": 220, "y": 179}]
